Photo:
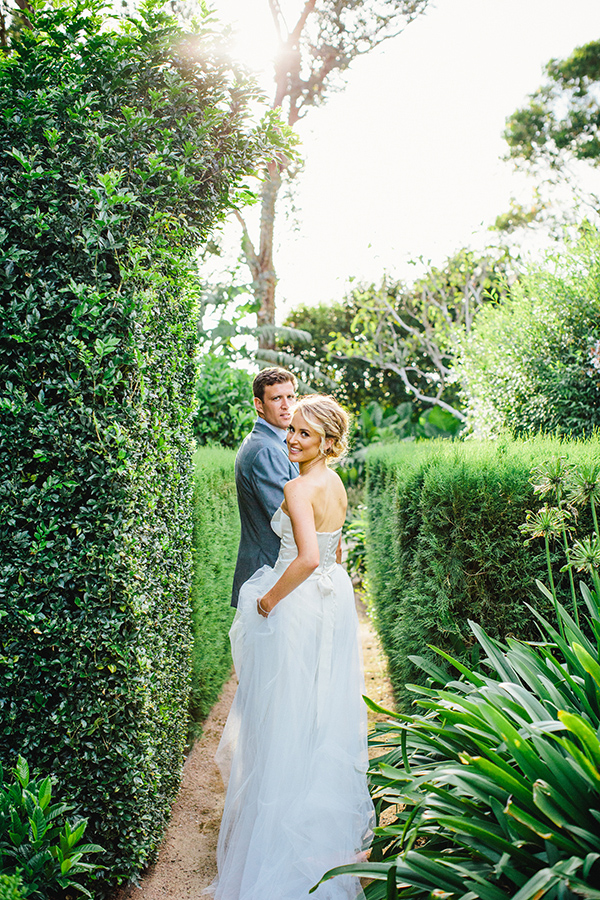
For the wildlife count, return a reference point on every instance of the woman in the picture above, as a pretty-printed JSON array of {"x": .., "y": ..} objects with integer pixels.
[{"x": 294, "y": 748}]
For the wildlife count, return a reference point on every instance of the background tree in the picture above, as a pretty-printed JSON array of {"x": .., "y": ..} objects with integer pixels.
[
  {"x": 314, "y": 51},
  {"x": 414, "y": 332},
  {"x": 562, "y": 118},
  {"x": 353, "y": 381},
  {"x": 555, "y": 136},
  {"x": 533, "y": 362}
]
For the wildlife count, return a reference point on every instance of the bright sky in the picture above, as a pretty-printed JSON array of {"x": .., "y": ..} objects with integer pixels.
[{"x": 405, "y": 162}]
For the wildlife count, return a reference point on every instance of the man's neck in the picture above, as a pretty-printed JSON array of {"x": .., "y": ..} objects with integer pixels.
[{"x": 281, "y": 432}]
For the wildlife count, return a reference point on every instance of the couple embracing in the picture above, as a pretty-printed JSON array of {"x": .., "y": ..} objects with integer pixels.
[{"x": 293, "y": 751}]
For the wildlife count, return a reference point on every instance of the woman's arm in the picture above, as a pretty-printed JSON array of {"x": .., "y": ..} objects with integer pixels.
[
  {"x": 338, "y": 552},
  {"x": 301, "y": 513}
]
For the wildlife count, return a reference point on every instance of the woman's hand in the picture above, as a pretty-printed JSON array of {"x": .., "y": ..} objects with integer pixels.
[{"x": 263, "y": 608}]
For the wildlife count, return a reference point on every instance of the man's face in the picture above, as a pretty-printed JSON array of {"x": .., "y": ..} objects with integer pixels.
[{"x": 277, "y": 405}]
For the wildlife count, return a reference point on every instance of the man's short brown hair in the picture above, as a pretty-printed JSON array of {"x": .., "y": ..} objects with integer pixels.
[{"x": 272, "y": 375}]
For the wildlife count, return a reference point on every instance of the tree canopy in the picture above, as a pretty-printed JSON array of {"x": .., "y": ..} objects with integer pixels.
[
  {"x": 314, "y": 51},
  {"x": 353, "y": 381},
  {"x": 413, "y": 331},
  {"x": 561, "y": 120}
]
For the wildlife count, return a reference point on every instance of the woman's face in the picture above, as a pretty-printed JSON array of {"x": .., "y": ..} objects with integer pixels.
[{"x": 303, "y": 441}]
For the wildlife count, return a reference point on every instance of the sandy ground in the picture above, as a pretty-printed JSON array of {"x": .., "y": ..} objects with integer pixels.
[{"x": 186, "y": 860}]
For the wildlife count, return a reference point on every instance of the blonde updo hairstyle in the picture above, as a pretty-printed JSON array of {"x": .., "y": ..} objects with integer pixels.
[{"x": 327, "y": 418}]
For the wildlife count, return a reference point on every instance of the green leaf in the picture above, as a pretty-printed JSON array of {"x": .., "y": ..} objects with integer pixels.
[
  {"x": 588, "y": 662},
  {"x": 578, "y": 726},
  {"x": 22, "y": 772}
]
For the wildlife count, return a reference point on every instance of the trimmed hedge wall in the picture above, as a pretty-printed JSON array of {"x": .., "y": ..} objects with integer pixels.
[
  {"x": 124, "y": 143},
  {"x": 444, "y": 545},
  {"x": 216, "y": 538}
]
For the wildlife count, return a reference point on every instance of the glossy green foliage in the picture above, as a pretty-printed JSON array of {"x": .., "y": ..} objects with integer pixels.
[
  {"x": 216, "y": 538},
  {"x": 444, "y": 545},
  {"x": 36, "y": 842},
  {"x": 493, "y": 783},
  {"x": 125, "y": 142},
  {"x": 225, "y": 412},
  {"x": 532, "y": 363}
]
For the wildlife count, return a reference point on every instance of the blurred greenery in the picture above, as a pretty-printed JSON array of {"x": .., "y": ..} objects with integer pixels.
[
  {"x": 532, "y": 362},
  {"x": 216, "y": 538},
  {"x": 224, "y": 412}
]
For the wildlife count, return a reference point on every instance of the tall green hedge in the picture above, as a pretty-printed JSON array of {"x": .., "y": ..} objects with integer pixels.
[
  {"x": 122, "y": 142},
  {"x": 216, "y": 538},
  {"x": 444, "y": 545}
]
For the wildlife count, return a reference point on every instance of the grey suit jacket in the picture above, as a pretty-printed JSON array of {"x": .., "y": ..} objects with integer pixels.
[{"x": 262, "y": 468}]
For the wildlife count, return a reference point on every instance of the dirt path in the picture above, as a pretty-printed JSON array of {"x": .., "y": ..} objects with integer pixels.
[{"x": 186, "y": 860}]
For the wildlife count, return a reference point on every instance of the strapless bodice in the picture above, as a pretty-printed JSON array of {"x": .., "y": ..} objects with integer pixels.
[{"x": 327, "y": 540}]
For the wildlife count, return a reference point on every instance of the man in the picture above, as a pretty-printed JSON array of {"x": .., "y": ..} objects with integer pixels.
[{"x": 262, "y": 468}]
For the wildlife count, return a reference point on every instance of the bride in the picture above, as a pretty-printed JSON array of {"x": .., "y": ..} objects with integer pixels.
[{"x": 294, "y": 749}]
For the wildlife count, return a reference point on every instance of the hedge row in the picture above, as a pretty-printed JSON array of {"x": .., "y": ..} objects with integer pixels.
[
  {"x": 123, "y": 143},
  {"x": 216, "y": 537},
  {"x": 444, "y": 545}
]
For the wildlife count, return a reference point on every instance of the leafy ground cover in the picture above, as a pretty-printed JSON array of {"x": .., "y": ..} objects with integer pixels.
[{"x": 41, "y": 854}]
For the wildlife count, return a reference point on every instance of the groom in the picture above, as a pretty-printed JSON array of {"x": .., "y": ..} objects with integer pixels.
[{"x": 262, "y": 468}]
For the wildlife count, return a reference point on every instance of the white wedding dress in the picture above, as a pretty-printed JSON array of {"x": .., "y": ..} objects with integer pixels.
[{"x": 294, "y": 749}]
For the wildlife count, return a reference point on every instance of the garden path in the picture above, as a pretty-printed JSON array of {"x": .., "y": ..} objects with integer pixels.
[{"x": 186, "y": 861}]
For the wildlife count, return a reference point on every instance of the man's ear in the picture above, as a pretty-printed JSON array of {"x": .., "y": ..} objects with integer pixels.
[{"x": 258, "y": 406}]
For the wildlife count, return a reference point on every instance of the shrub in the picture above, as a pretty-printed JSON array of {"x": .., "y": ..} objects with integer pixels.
[
  {"x": 493, "y": 785},
  {"x": 444, "y": 545},
  {"x": 38, "y": 848},
  {"x": 11, "y": 887},
  {"x": 532, "y": 362},
  {"x": 124, "y": 143},
  {"x": 216, "y": 538},
  {"x": 225, "y": 412}
]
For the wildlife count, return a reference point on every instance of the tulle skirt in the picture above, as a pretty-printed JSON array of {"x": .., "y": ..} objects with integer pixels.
[{"x": 294, "y": 749}]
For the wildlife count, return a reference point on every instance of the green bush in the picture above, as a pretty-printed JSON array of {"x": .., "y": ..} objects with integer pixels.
[
  {"x": 532, "y": 362},
  {"x": 11, "y": 887},
  {"x": 444, "y": 545},
  {"x": 216, "y": 538},
  {"x": 225, "y": 412},
  {"x": 123, "y": 144},
  {"x": 38, "y": 847}
]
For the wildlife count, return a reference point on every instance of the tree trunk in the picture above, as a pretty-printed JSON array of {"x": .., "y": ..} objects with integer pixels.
[{"x": 265, "y": 276}]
